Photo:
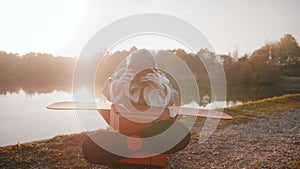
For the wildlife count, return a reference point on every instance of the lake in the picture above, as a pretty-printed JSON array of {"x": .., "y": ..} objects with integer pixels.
[{"x": 24, "y": 117}]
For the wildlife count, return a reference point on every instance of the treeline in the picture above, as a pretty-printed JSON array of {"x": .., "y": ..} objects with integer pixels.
[
  {"x": 42, "y": 73},
  {"x": 35, "y": 72},
  {"x": 252, "y": 76},
  {"x": 264, "y": 66}
]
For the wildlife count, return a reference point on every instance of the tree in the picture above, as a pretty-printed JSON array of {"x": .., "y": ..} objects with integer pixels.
[{"x": 289, "y": 50}]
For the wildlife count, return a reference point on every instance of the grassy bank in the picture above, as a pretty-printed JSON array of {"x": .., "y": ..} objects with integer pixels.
[
  {"x": 252, "y": 110},
  {"x": 65, "y": 151},
  {"x": 261, "y": 108}
]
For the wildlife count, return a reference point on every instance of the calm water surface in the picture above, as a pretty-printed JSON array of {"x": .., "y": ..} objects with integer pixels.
[{"x": 25, "y": 118}]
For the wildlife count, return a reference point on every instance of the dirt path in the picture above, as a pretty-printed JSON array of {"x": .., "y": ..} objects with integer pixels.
[{"x": 263, "y": 143}]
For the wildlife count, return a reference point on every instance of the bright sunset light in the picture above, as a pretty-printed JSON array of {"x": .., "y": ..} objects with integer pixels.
[
  {"x": 150, "y": 84},
  {"x": 63, "y": 27}
]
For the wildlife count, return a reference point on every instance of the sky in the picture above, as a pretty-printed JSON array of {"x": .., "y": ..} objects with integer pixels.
[{"x": 63, "y": 27}]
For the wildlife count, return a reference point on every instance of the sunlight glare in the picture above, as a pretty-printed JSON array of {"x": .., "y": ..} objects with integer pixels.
[{"x": 84, "y": 95}]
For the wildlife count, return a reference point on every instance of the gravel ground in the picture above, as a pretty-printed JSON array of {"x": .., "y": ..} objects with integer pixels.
[{"x": 264, "y": 143}]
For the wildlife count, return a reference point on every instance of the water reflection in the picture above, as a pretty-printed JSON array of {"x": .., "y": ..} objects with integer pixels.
[
  {"x": 24, "y": 116},
  {"x": 251, "y": 93},
  {"x": 31, "y": 89}
]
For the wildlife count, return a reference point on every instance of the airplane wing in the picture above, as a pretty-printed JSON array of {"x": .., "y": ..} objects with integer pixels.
[
  {"x": 69, "y": 105},
  {"x": 186, "y": 111}
]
